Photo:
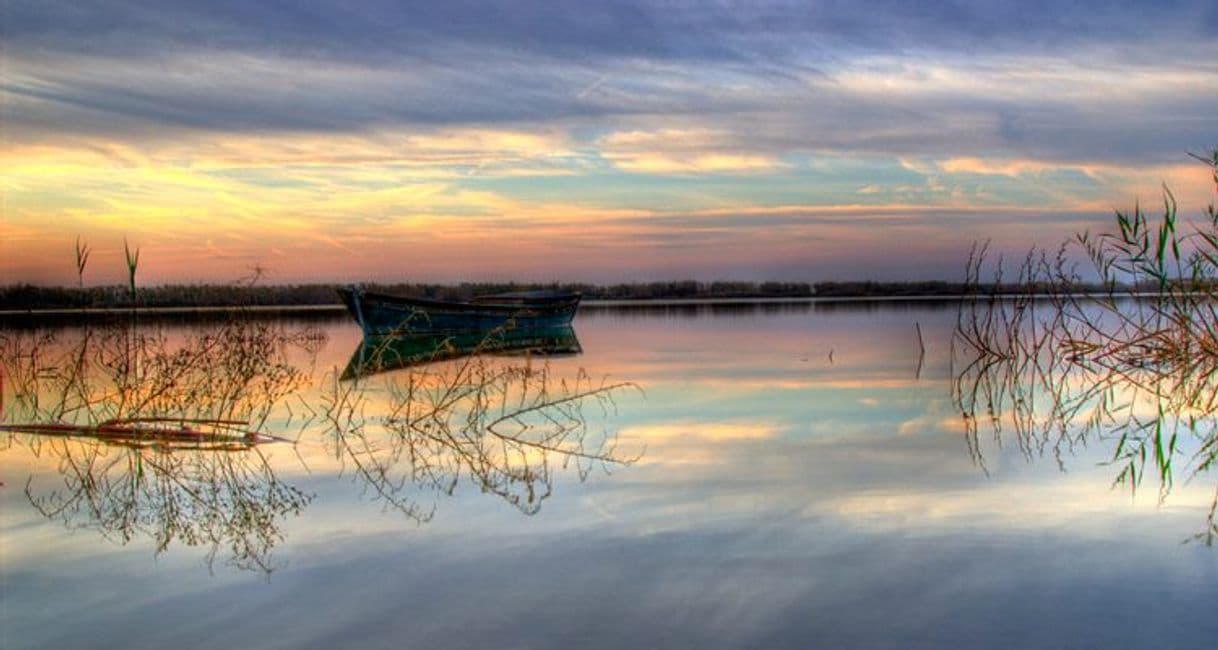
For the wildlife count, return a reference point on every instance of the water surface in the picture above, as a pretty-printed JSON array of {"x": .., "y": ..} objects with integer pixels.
[{"x": 777, "y": 475}]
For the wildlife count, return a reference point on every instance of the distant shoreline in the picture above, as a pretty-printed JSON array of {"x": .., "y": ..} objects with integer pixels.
[
  {"x": 592, "y": 303},
  {"x": 25, "y": 298}
]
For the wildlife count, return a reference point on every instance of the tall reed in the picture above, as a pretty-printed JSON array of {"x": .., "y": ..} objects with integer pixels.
[
  {"x": 132, "y": 258},
  {"x": 1056, "y": 368},
  {"x": 82, "y": 260}
]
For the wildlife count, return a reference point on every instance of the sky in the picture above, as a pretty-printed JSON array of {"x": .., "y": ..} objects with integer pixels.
[{"x": 327, "y": 140}]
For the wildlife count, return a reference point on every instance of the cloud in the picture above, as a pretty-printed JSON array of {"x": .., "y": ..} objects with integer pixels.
[
  {"x": 601, "y": 28},
  {"x": 888, "y": 78},
  {"x": 690, "y": 131},
  {"x": 680, "y": 151}
]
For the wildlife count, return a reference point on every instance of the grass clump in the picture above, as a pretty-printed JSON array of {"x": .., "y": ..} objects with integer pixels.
[{"x": 1055, "y": 368}]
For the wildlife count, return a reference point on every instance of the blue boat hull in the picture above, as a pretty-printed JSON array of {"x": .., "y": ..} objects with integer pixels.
[{"x": 381, "y": 314}]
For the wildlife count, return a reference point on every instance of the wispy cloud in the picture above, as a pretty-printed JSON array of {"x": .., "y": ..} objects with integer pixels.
[{"x": 705, "y": 132}]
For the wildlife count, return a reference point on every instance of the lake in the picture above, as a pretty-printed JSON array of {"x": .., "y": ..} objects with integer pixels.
[{"x": 731, "y": 475}]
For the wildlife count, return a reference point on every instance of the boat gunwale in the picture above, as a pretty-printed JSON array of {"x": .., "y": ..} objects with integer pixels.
[{"x": 555, "y": 304}]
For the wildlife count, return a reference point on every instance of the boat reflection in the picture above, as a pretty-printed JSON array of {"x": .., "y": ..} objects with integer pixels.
[
  {"x": 377, "y": 354},
  {"x": 492, "y": 415}
]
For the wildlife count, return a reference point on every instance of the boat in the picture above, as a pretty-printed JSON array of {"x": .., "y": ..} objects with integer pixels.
[
  {"x": 381, "y": 314},
  {"x": 377, "y": 354}
]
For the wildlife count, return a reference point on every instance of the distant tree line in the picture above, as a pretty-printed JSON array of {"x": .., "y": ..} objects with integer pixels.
[{"x": 26, "y": 296}]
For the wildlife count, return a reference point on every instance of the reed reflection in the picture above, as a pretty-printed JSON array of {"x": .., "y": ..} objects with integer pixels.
[
  {"x": 162, "y": 434},
  {"x": 158, "y": 438},
  {"x": 1056, "y": 373},
  {"x": 487, "y": 409},
  {"x": 221, "y": 498}
]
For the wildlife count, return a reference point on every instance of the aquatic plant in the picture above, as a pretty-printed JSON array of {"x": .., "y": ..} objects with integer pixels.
[
  {"x": 156, "y": 437},
  {"x": 1138, "y": 370},
  {"x": 114, "y": 377},
  {"x": 82, "y": 260},
  {"x": 132, "y": 258}
]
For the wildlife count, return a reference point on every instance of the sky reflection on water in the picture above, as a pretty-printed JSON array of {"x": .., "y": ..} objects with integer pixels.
[{"x": 799, "y": 482}]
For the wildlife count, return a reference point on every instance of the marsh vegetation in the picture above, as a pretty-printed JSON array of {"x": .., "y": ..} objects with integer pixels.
[
  {"x": 165, "y": 435},
  {"x": 1053, "y": 372}
]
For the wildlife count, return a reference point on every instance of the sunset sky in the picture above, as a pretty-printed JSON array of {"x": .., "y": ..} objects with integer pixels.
[{"x": 586, "y": 141}]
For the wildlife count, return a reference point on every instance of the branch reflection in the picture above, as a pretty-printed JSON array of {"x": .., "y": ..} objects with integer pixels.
[
  {"x": 163, "y": 435},
  {"x": 157, "y": 437},
  {"x": 213, "y": 497},
  {"x": 462, "y": 411}
]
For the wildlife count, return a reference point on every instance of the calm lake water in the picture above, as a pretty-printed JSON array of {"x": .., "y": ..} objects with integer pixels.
[{"x": 777, "y": 475}]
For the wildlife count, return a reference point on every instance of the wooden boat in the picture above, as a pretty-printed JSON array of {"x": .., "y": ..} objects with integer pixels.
[
  {"x": 382, "y": 353},
  {"x": 380, "y": 314}
]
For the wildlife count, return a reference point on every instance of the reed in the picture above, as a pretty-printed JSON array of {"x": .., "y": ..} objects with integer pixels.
[
  {"x": 1055, "y": 369},
  {"x": 132, "y": 258},
  {"x": 156, "y": 438},
  {"x": 162, "y": 437},
  {"x": 82, "y": 260}
]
